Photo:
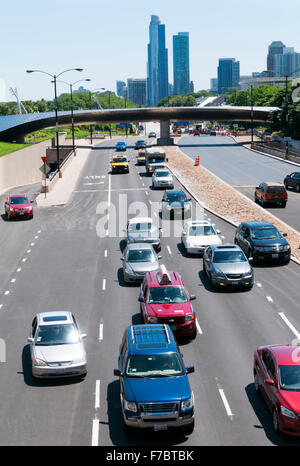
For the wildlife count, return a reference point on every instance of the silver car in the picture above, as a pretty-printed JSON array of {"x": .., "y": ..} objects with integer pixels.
[
  {"x": 139, "y": 258},
  {"x": 227, "y": 265},
  {"x": 56, "y": 346},
  {"x": 162, "y": 179},
  {"x": 143, "y": 230}
]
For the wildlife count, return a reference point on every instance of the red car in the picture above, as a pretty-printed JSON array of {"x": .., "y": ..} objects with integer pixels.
[
  {"x": 277, "y": 378},
  {"x": 196, "y": 132},
  {"x": 165, "y": 300},
  {"x": 18, "y": 205}
]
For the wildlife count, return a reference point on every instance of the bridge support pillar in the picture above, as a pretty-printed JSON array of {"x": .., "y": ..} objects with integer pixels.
[{"x": 165, "y": 139}]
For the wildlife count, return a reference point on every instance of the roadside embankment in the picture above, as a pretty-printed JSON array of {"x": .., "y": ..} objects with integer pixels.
[{"x": 222, "y": 199}]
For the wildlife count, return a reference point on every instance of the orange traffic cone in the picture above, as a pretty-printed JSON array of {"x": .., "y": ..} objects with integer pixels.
[{"x": 197, "y": 161}]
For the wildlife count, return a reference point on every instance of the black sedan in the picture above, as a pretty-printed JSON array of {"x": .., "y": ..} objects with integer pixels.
[
  {"x": 262, "y": 241},
  {"x": 292, "y": 181},
  {"x": 140, "y": 144}
]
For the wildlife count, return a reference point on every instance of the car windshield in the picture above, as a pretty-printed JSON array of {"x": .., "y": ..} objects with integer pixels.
[
  {"x": 167, "y": 294},
  {"x": 176, "y": 197},
  {"x": 229, "y": 256},
  {"x": 19, "y": 200},
  {"x": 201, "y": 230},
  {"x": 56, "y": 334},
  {"x": 154, "y": 365},
  {"x": 140, "y": 142},
  {"x": 136, "y": 227},
  {"x": 121, "y": 143},
  {"x": 155, "y": 159},
  {"x": 275, "y": 189},
  {"x": 142, "y": 255},
  {"x": 265, "y": 233},
  {"x": 119, "y": 160},
  {"x": 289, "y": 378},
  {"x": 162, "y": 174}
]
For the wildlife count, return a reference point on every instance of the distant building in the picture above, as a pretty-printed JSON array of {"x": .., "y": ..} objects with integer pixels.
[
  {"x": 228, "y": 74},
  {"x": 80, "y": 89},
  {"x": 120, "y": 88},
  {"x": 287, "y": 63},
  {"x": 214, "y": 85},
  {"x": 181, "y": 63},
  {"x": 275, "y": 48},
  {"x": 157, "y": 64},
  {"x": 137, "y": 91},
  {"x": 192, "y": 86},
  {"x": 170, "y": 89}
]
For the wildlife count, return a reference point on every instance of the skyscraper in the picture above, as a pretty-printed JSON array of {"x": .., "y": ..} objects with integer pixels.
[
  {"x": 228, "y": 74},
  {"x": 157, "y": 65},
  {"x": 287, "y": 63},
  {"x": 137, "y": 91},
  {"x": 181, "y": 63},
  {"x": 120, "y": 88},
  {"x": 276, "y": 47}
]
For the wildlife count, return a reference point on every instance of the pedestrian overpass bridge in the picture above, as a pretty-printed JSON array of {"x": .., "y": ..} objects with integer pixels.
[{"x": 15, "y": 127}]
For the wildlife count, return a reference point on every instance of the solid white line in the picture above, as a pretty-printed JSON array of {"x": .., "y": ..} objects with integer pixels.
[
  {"x": 100, "y": 332},
  {"x": 95, "y": 433},
  {"x": 288, "y": 323},
  {"x": 198, "y": 327},
  {"x": 226, "y": 404},
  {"x": 109, "y": 190},
  {"x": 6, "y": 292},
  {"x": 269, "y": 299},
  {"x": 104, "y": 284},
  {"x": 13, "y": 280},
  {"x": 97, "y": 395}
]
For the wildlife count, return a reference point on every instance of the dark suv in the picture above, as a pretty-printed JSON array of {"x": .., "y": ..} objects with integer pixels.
[
  {"x": 292, "y": 181},
  {"x": 262, "y": 240},
  {"x": 154, "y": 388}
]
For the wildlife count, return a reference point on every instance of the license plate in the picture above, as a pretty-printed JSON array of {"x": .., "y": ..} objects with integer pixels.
[
  {"x": 275, "y": 256},
  {"x": 235, "y": 283},
  {"x": 21, "y": 213},
  {"x": 173, "y": 327},
  {"x": 160, "y": 427}
]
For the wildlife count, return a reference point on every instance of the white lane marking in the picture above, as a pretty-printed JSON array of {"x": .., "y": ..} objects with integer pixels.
[
  {"x": 143, "y": 184},
  {"x": 146, "y": 192},
  {"x": 198, "y": 327},
  {"x": 91, "y": 184},
  {"x": 226, "y": 404},
  {"x": 289, "y": 324},
  {"x": 1, "y": 305},
  {"x": 169, "y": 250},
  {"x": 13, "y": 280},
  {"x": 104, "y": 284},
  {"x": 223, "y": 237},
  {"x": 209, "y": 219},
  {"x": 28, "y": 251},
  {"x": 19, "y": 269},
  {"x": 36, "y": 237},
  {"x": 6, "y": 292},
  {"x": 39, "y": 231},
  {"x": 32, "y": 244},
  {"x": 97, "y": 395},
  {"x": 269, "y": 299},
  {"x": 155, "y": 214},
  {"x": 100, "y": 332},
  {"x": 105, "y": 253},
  {"x": 95, "y": 433},
  {"x": 109, "y": 190},
  {"x": 259, "y": 285},
  {"x": 24, "y": 260}
]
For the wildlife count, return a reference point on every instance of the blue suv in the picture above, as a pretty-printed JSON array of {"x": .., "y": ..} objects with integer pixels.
[{"x": 155, "y": 391}]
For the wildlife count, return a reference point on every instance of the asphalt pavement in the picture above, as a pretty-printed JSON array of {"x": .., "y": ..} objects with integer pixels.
[{"x": 68, "y": 258}]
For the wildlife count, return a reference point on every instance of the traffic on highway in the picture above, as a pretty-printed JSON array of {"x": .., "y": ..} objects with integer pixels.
[{"x": 133, "y": 316}]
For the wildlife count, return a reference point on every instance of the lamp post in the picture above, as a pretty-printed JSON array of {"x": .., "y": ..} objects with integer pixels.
[
  {"x": 55, "y": 76},
  {"x": 251, "y": 114},
  {"x": 91, "y": 126},
  {"x": 72, "y": 108}
]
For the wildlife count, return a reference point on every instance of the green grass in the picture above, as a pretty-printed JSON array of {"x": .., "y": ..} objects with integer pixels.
[{"x": 8, "y": 147}]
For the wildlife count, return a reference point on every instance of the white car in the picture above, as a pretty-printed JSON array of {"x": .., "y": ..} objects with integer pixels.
[
  {"x": 162, "y": 179},
  {"x": 197, "y": 235}
]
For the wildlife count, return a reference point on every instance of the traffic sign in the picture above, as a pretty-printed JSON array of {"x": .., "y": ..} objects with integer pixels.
[{"x": 44, "y": 158}]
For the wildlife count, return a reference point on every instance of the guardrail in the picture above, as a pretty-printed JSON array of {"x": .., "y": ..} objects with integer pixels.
[{"x": 262, "y": 147}]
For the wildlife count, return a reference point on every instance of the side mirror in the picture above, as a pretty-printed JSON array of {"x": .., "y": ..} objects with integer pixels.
[
  {"x": 218, "y": 231},
  {"x": 83, "y": 336},
  {"x": 250, "y": 259},
  {"x": 257, "y": 187},
  {"x": 30, "y": 340},
  {"x": 269, "y": 381},
  {"x": 141, "y": 299},
  {"x": 117, "y": 372},
  {"x": 31, "y": 202},
  {"x": 159, "y": 257},
  {"x": 192, "y": 297},
  {"x": 190, "y": 369}
]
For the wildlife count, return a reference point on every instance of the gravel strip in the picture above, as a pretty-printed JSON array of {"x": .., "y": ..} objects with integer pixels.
[{"x": 222, "y": 199}]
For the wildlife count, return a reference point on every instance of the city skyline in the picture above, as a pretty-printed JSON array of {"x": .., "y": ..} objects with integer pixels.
[{"x": 125, "y": 54}]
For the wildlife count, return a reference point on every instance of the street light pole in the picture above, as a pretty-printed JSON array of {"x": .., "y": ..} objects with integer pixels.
[{"x": 251, "y": 114}]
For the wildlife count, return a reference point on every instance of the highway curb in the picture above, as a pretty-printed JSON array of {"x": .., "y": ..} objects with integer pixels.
[{"x": 222, "y": 217}]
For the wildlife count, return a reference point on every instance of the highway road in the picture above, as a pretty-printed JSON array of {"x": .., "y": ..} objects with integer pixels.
[
  {"x": 243, "y": 169},
  {"x": 57, "y": 261}
]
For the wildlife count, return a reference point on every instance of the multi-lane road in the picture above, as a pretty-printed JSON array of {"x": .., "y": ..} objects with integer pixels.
[{"x": 58, "y": 261}]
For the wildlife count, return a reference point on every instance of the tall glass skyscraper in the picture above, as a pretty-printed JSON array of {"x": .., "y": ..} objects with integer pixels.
[
  {"x": 157, "y": 65},
  {"x": 228, "y": 74},
  {"x": 276, "y": 47},
  {"x": 181, "y": 63}
]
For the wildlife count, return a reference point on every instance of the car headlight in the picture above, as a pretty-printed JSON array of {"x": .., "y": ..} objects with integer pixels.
[
  {"x": 129, "y": 270},
  {"x": 285, "y": 248},
  {"x": 286, "y": 412},
  {"x": 189, "y": 317},
  {"x": 78, "y": 360},
  {"x": 187, "y": 404},
  {"x": 153, "y": 320},
  {"x": 248, "y": 275},
  {"x": 130, "y": 406},
  {"x": 39, "y": 362},
  {"x": 11, "y": 209}
]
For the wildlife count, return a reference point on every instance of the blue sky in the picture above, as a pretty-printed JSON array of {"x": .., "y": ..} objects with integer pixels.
[{"x": 109, "y": 38}]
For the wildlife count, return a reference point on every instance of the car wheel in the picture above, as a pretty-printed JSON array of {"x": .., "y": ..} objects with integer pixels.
[
  {"x": 188, "y": 430},
  {"x": 298, "y": 188},
  {"x": 255, "y": 200},
  {"x": 256, "y": 384},
  {"x": 275, "y": 420},
  {"x": 283, "y": 204},
  {"x": 286, "y": 186}
]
